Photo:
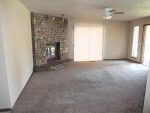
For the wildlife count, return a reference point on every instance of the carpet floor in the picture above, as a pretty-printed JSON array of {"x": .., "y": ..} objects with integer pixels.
[{"x": 86, "y": 87}]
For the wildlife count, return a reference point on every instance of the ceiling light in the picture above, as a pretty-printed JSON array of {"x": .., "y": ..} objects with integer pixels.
[{"x": 107, "y": 17}]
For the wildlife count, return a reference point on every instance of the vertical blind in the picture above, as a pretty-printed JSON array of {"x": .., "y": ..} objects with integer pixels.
[
  {"x": 88, "y": 42},
  {"x": 135, "y": 42}
]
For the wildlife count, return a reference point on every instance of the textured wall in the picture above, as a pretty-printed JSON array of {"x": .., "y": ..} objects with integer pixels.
[{"x": 48, "y": 29}]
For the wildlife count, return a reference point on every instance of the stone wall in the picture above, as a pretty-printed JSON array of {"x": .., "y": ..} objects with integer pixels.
[{"x": 48, "y": 29}]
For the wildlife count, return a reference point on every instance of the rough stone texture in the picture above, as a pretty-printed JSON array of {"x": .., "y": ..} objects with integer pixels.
[
  {"x": 46, "y": 29},
  {"x": 53, "y": 65},
  {"x": 86, "y": 87}
]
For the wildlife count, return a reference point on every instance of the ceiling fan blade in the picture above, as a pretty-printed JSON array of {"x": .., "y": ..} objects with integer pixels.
[
  {"x": 118, "y": 12},
  {"x": 113, "y": 10}
]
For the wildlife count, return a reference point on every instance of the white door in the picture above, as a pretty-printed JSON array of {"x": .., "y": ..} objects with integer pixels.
[{"x": 88, "y": 42}]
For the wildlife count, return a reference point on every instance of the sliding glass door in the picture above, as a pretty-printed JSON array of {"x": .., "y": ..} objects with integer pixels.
[
  {"x": 88, "y": 42},
  {"x": 81, "y": 43}
]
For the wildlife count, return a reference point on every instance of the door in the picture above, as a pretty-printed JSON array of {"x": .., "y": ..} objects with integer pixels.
[
  {"x": 88, "y": 42},
  {"x": 146, "y": 45}
]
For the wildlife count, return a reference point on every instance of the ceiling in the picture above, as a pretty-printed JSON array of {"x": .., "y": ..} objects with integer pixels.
[{"x": 90, "y": 9}]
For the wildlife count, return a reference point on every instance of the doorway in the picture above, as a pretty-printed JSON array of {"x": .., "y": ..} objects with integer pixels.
[
  {"x": 88, "y": 42},
  {"x": 146, "y": 46}
]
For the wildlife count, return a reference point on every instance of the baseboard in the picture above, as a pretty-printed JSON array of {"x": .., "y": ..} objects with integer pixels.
[
  {"x": 5, "y": 109},
  {"x": 117, "y": 59}
]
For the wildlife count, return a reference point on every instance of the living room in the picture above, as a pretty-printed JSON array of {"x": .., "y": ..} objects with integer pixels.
[{"x": 74, "y": 56}]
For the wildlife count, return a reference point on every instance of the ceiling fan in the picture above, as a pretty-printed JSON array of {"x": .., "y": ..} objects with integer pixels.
[{"x": 108, "y": 12}]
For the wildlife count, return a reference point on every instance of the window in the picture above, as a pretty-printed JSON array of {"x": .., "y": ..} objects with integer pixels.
[{"x": 135, "y": 42}]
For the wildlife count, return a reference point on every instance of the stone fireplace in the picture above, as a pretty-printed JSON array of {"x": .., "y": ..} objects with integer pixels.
[{"x": 49, "y": 41}]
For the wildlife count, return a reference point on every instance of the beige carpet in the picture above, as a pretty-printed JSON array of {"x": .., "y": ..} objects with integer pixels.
[{"x": 86, "y": 87}]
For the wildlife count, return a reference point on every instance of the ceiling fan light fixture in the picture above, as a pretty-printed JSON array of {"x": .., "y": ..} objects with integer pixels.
[
  {"x": 107, "y": 17},
  {"x": 108, "y": 12}
]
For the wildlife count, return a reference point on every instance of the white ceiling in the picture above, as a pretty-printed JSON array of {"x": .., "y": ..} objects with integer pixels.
[{"x": 90, "y": 9}]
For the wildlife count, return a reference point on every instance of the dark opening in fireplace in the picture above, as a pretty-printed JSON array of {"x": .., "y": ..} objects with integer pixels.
[{"x": 53, "y": 51}]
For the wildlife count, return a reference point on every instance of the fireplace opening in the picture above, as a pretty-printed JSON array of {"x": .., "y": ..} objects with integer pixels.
[{"x": 53, "y": 51}]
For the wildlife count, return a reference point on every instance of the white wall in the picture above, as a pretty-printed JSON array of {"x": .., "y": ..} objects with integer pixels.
[
  {"x": 147, "y": 96},
  {"x": 115, "y": 37},
  {"x": 139, "y": 22},
  {"x": 4, "y": 91},
  {"x": 16, "y": 27}
]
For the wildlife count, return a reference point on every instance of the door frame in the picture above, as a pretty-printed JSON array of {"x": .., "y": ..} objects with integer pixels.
[{"x": 143, "y": 43}]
